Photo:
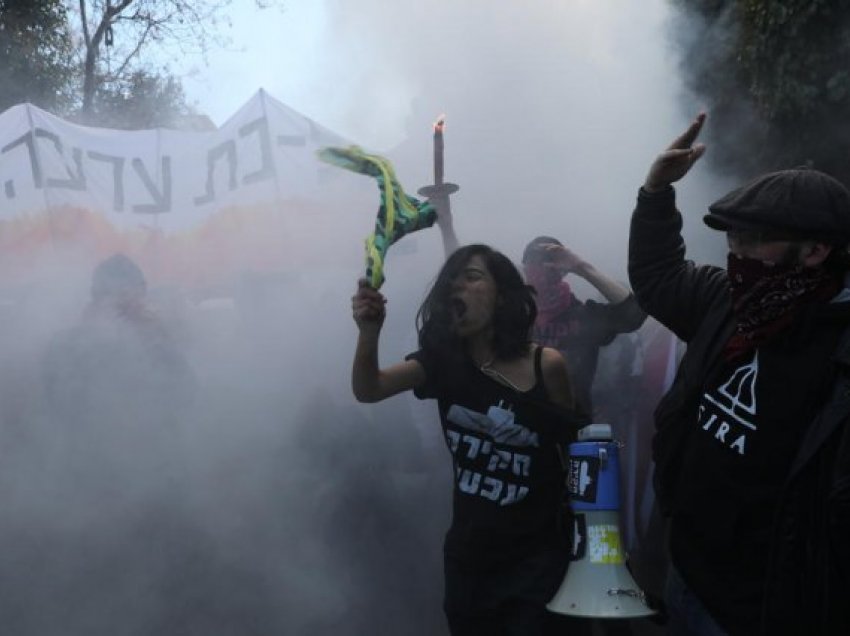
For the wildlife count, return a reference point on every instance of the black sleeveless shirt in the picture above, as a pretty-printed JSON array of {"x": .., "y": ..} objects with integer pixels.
[{"x": 509, "y": 477}]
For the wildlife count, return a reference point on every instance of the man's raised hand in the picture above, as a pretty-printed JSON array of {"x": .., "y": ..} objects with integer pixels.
[{"x": 675, "y": 162}]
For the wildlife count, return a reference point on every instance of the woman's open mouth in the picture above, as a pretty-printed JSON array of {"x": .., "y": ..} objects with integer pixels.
[{"x": 458, "y": 307}]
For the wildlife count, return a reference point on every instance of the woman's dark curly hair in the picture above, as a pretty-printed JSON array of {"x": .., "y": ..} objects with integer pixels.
[{"x": 513, "y": 316}]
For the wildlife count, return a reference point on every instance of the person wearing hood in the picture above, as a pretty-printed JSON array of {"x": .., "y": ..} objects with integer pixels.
[{"x": 752, "y": 443}]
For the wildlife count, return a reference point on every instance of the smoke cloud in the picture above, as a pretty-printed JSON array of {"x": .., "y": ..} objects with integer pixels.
[{"x": 260, "y": 498}]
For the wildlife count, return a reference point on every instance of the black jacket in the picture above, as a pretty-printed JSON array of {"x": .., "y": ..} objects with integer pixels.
[
  {"x": 807, "y": 588},
  {"x": 581, "y": 330}
]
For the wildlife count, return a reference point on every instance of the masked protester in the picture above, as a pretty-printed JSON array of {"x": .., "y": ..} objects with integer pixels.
[
  {"x": 117, "y": 374},
  {"x": 578, "y": 329},
  {"x": 119, "y": 391},
  {"x": 505, "y": 405},
  {"x": 752, "y": 447}
]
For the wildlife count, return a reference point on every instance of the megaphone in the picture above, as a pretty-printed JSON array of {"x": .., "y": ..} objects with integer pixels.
[{"x": 597, "y": 584}]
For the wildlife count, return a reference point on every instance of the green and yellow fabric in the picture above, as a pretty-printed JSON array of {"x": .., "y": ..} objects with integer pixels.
[{"x": 398, "y": 214}]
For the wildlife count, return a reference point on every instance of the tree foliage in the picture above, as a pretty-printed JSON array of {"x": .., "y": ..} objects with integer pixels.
[
  {"x": 116, "y": 34},
  {"x": 143, "y": 99},
  {"x": 36, "y": 61},
  {"x": 118, "y": 38},
  {"x": 775, "y": 76},
  {"x": 105, "y": 62}
]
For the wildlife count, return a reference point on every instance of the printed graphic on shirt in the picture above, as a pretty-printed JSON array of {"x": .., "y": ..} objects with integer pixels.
[
  {"x": 728, "y": 412},
  {"x": 497, "y": 474}
]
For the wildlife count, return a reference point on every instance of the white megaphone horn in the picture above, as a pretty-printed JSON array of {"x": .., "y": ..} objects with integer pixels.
[{"x": 597, "y": 584}]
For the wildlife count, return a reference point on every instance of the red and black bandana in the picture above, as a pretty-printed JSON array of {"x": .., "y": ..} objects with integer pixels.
[{"x": 766, "y": 298}]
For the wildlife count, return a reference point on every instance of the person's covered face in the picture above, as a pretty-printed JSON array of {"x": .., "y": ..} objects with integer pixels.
[
  {"x": 473, "y": 299},
  {"x": 766, "y": 268},
  {"x": 540, "y": 268}
]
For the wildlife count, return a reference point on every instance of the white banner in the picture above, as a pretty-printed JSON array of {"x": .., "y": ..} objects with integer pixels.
[
  {"x": 195, "y": 209},
  {"x": 171, "y": 180}
]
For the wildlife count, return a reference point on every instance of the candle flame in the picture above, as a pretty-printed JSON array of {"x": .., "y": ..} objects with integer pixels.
[{"x": 440, "y": 124}]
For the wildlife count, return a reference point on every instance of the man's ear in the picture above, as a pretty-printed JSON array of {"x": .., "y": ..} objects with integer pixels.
[{"x": 814, "y": 254}]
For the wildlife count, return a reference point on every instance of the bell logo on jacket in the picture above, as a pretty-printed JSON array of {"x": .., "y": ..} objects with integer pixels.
[{"x": 728, "y": 411}]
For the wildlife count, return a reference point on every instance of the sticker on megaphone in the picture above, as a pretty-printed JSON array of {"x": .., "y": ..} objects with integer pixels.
[{"x": 582, "y": 478}]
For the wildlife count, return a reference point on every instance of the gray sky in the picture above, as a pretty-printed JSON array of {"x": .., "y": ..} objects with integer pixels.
[
  {"x": 356, "y": 66},
  {"x": 555, "y": 109}
]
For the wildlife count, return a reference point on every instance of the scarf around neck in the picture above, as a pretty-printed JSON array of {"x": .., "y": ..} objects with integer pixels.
[{"x": 553, "y": 298}]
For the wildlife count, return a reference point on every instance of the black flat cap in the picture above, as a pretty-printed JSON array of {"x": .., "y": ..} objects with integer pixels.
[{"x": 800, "y": 202}]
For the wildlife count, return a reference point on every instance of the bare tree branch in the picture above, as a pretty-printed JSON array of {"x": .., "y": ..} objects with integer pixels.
[
  {"x": 132, "y": 54},
  {"x": 189, "y": 25},
  {"x": 85, "y": 23}
]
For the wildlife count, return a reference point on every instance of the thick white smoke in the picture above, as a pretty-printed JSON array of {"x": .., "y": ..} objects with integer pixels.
[{"x": 286, "y": 507}]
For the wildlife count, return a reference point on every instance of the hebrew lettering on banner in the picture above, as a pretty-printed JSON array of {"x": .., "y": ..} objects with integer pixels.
[
  {"x": 45, "y": 160},
  {"x": 117, "y": 190}
]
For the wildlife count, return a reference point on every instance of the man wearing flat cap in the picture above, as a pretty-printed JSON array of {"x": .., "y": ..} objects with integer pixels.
[{"x": 752, "y": 443}]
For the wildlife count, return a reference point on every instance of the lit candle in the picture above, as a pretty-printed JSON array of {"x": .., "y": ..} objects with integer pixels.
[
  {"x": 439, "y": 125},
  {"x": 439, "y": 191}
]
